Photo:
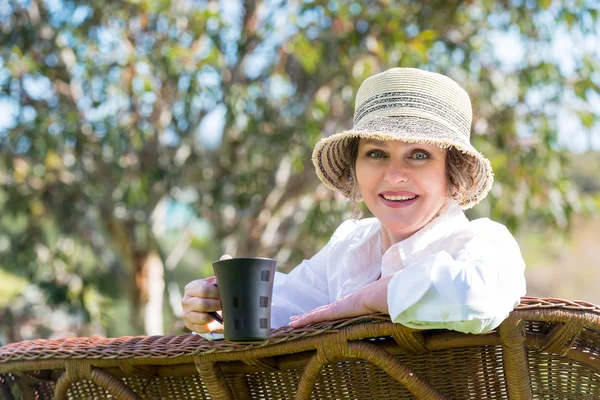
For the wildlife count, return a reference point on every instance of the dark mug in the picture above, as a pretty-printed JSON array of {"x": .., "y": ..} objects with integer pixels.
[{"x": 246, "y": 290}]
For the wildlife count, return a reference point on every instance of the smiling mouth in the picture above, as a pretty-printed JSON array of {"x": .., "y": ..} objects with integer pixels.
[{"x": 398, "y": 199}]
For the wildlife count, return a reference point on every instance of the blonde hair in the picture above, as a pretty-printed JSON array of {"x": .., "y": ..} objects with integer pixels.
[{"x": 462, "y": 174}]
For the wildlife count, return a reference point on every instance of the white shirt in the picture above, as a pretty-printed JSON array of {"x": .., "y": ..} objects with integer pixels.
[{"x": 452, "y": 274}]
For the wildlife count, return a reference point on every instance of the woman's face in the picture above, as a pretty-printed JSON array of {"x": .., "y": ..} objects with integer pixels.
[{"x": 403, "y": 184}]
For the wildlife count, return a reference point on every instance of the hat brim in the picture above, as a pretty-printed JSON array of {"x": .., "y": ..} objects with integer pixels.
[{"x": 330, "y": 158}]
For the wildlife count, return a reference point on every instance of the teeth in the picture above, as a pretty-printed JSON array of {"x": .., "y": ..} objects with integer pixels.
[{"x": 397, "y": 198}]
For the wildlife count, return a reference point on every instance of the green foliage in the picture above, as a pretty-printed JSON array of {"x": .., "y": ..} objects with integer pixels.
[
  {"x": 114, "y": 101},
  {"x": 12, "y": 285}
]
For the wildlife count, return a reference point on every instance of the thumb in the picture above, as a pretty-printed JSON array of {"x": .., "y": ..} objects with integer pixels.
[
  {"x": 225, "y": 257},
  {"x": 215, "y": 326}
]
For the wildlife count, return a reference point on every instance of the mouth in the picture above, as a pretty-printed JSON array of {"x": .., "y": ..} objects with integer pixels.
[{"x": 398, "y": 200}]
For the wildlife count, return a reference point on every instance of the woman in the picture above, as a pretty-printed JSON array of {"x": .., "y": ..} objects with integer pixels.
[{"x": 420, "y": 260}]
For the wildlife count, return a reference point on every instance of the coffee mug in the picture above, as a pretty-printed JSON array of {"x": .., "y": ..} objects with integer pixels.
[{"x": 246, "y": 290}]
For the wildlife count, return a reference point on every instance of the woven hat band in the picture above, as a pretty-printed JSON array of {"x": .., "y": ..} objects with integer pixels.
[
  {"x": 416, "y": 105},
  {"x": 421, "y": 83},
  {"x": 411, "y": 129}
]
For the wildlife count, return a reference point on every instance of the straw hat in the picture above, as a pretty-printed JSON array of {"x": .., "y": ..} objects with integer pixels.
[{"x": 413, "y": 106}]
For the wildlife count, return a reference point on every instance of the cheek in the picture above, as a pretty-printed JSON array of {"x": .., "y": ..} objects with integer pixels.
[
  {"x": 435, "y": 181},
  {"x": 441, "y": 182},
  {"x": 366, "y": 177},
  {"x": 361, "y": 175}
]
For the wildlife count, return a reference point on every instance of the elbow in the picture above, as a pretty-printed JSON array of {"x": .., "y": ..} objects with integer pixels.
[
  {"x": 477, "y": 326},
  {"x": 482, "y": 317},
  {"x": 466, "y": 317}
]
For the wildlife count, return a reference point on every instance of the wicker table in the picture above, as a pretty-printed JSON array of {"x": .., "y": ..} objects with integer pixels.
[{"x": 546, "y": 349}]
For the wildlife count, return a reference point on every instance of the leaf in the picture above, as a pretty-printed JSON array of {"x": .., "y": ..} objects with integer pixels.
[
  {"x": 427, "y": 35},
  {"x": 587, "y": 119},
  {"x": 544, "y": 3},
  {"x": 53, "y": 160},
  {"x": 581, "y": 87},
  {"x": 570, "y": 18},
  {"x": 307, "y": 53}
]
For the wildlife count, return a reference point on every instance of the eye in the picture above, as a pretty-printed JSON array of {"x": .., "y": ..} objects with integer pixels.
[
  {"x": 376, "y": 154},
  {"x": 420, "y": 155}
]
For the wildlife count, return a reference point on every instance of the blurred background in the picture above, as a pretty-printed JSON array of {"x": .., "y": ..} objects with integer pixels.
[{"x": 140, "y": 140}]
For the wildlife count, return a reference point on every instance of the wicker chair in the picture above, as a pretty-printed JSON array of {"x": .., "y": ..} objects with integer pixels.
[{"x": 546, "y": 349}]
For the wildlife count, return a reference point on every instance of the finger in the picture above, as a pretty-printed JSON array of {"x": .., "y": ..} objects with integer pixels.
[
  {"x": 201, "y": 323},
  {"x": 343, "y": 308},
  {"x": 197, "y": 318},
  {"x": 211, "y": 279},
  {"x": 197, "y": 328},
  {"x": 215, "y": 326},
  {"x": 225, "y": 257},
  {"x": 317, "y": 315},
  {"x": 204, "y": 328},
  {"x": 202, "y": 288},
  {"x": 202, "y": 305}
]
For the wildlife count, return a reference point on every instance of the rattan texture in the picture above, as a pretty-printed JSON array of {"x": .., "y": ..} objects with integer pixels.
[{"x": 546, "y": 349}]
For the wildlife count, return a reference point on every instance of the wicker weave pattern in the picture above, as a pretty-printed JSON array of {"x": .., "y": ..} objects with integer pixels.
[{"x": 546, "y": 349}]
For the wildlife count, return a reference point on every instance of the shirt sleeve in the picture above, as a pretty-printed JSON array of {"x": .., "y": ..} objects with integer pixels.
[
  {"x": 306, "y": 286},
  {"x": 472, "y": 290}
]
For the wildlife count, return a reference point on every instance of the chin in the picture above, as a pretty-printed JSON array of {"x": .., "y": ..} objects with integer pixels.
[
  {"x": 402, "y": 228},
  {"x": 407, "y": 224}
]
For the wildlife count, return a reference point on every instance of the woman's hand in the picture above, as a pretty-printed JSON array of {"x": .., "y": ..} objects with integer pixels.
[
  {"x": 201, "y": 297},
  {"x": 367, "y": 300}
]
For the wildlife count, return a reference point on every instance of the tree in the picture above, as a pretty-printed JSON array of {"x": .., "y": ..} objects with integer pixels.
[{"x": 118, "y": 106}]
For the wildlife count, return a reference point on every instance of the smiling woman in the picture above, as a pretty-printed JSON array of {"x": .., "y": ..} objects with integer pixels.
[{"x": 420, "y": 260}]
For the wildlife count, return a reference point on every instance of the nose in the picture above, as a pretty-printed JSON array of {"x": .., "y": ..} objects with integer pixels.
[{"x": 395, "y": 173}]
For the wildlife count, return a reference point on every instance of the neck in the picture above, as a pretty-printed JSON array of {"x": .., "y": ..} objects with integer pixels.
[{"x": 390, "y": 238}]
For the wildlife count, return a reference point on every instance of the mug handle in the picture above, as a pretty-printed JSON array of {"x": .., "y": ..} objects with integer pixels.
[{"x": 214, "y": 315}]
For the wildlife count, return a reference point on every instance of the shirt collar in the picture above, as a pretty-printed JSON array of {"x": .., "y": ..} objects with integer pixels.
[{"x": 400, "y": 254}]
